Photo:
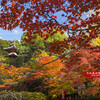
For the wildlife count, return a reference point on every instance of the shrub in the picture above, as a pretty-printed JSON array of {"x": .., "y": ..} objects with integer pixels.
[{"x": 22, "y": 96}]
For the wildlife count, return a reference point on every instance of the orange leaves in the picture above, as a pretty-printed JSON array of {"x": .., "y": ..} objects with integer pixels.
[
  {"x": 86, "y": 58},
  {"x": 12, "y": 73},
  {"x": 43, "y": 35},
  {"x": 36, "y": 18},
  {"x": 92, "y": 91},
  {"x": 32, "y": 2},
  {"x": 22, "y": 8},
  {"x": 52, "y": 68},
  {"x": 54, "y": 65},
  {"x": 13, "y": 4},
  {"x": 49, "y": 72}
]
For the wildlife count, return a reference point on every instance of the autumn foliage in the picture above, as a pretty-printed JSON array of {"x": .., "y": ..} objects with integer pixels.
[
  {"x": 42, "y": 17},
  {"x": 15, "y": 13},
  {"x": 81, "y": 61},
  {"x": 12, "y": 74},
  {"x": 58, "y": 77},
  {"x": 48, "y": 71}
]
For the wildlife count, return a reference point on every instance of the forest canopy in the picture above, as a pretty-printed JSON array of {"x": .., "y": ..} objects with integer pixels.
[{"x": 47, "y": 49}]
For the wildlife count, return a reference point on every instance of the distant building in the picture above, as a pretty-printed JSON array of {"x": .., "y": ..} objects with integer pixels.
[{"x": 12, "y": 52}]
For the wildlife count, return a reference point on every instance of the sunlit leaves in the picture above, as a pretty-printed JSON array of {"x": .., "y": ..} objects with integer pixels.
[
  {"x": 96, "y": 41},
  {"x": 40, "y": 17},
  {"x": 11, "y": 74},
  {"x": 37, "y": 16}
]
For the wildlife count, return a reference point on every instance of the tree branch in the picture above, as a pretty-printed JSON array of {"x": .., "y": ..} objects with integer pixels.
[
  {"x": 66, "y": 27},
  {"x": 64, "y": 54},
  {"x": 59, "y": 57}
]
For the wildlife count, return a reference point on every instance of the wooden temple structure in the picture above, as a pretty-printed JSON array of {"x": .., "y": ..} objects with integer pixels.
[{"x": 12, "y": 51}]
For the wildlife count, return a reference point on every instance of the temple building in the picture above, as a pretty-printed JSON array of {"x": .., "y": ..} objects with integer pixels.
[{"x": 12, "y": 51}]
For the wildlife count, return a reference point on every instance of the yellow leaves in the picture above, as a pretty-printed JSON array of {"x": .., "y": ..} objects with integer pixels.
[
  {"x": 99, "y": 11},
  {"x": 96, "y": 42},
  {"x": 56, "y": 91},
  {"x": 92, "y": 12},
  {"x": 94, "y": 24},
  {"x": 54, "y": 96},
  {"x": 8, "y": 80}
]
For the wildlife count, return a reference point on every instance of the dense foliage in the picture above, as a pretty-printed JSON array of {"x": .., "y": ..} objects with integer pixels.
[
  {"x": 96, "y": 42},
  {"x": 42, "y": 20},
  {"x": 40, "y": 16},
  {"x": 11, "y": 74},
  {"x": 73, "y": 75},
  {"x": 22, "y": 96}
]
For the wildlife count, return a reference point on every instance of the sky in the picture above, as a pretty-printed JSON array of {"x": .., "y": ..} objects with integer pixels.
[{"x": 11, "y": 35}]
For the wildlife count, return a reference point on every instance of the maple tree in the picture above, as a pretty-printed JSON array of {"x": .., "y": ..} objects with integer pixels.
[
  {"x": 42, "y": 73},
  {"x": 41, "y": 16},
  {"x": 72, "y": 76},
  {"x": 69, "y": 74},
  {"x": 11, "y": 74},
  {"x": 52, "y": 68},
  {"x": 38, "y": 16}
]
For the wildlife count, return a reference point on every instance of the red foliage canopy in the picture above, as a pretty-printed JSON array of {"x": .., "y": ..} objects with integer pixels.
[
  {"x": 36, "y": 16},
  {"x": 44, "y": 16}
]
